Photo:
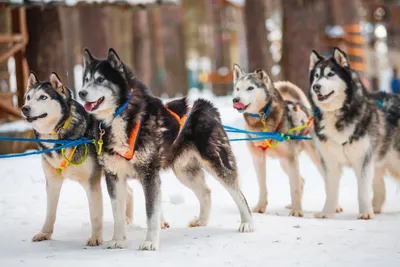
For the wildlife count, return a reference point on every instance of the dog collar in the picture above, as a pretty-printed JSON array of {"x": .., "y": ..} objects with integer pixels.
[
  {"x": 65, "y": 126},
  {"x": 262, "y": 115},
  {"x": 123, "y": 107}
]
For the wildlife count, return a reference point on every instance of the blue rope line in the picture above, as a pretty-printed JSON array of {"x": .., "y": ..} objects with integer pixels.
[
  {"x": 266, "y": 112},
  {"x": 35, "y": 140},
  {"x": 66, "y": 145}
]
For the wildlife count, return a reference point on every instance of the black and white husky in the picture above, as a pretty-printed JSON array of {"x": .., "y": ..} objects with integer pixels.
[
  {"x": 55, "y": 115},
  {"x": 353, "y": 130},
  {"x": 142, "y": 136}
]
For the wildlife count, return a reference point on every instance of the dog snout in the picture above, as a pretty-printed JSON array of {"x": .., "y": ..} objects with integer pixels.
[
  {"x": 83, "y": 94},
  {"x": 317, "y": 88},
  {"x": 236, "y": 99},
  {"x": 26, "y": 110}
]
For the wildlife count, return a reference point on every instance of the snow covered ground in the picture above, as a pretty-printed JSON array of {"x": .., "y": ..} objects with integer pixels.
[{"x": 279, "y": 240}]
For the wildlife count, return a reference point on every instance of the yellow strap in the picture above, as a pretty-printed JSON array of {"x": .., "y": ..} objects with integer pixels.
[
  {"x": 65, "y": 126},
  {"x": 68, "y": 160},
  {"x": 290, "y": 131}
]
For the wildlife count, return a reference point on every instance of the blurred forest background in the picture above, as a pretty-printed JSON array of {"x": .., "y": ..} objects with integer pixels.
[{"x": 175, "y": 46}]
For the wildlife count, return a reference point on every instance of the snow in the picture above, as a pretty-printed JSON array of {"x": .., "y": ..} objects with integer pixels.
[
  {"x": 278, "y": 240},
  {"x": 15, "y": 126}
]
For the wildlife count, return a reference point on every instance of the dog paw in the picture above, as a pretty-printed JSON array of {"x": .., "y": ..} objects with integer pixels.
[
  {"x": 246, "y": 227},
  {"x": 197, "y": 222},
  {"x": 366, "y": 215},
  {"x": 377, "y": 210},
  {"x": 339, "y": 209},
  {"x": 259, "y": 209},
  {"x": 296, "y": 213},
  {"x": 41, "y": 236},
  {"x": 129, "y": 220},
  {"x": 324, "y": 215},
  {"x": 115, "y": 244},
  {"x": 148, "y": 245},
  {"x": 164, "y": 225},
  {"x": 94, "y": 241}
]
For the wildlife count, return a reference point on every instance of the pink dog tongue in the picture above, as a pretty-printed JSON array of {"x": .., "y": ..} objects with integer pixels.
[
  {"x": 239, "y": 105},
  {"x": 89, "y": 106}
]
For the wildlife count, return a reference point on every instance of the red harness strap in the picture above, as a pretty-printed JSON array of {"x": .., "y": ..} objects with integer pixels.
[{"x": 265, "y": 146}]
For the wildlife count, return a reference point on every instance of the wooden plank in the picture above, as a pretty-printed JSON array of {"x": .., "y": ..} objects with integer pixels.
[{"x": 10, "y": 109}]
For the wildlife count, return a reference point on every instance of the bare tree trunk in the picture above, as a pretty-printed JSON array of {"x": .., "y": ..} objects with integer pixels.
[
  {"x": 175, "y": 78},
  {"x": 303, "y": 26},
  {"x": 141, "y": 54},
  {"x": 119, "y": 32},
  {"x": 93, "y": 29},
  {"x": 157, "y": 59},
  {"x": 68, "y": 18},
  {"x": 256, "y": 35},
  {"x": 221, "y": 44},
  {"x": 45, "y": 50}
]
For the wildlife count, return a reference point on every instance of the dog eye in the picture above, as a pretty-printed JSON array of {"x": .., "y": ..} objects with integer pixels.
[
  {"x": 316, "y": 75},
  {"x": 42, "y": 97},
  {"x": 250, "y": 88},
  {"x": 100, "y": 79},
  {"x": 86, "y": 80},
  {"x": 330, "y": 74},
  {"x": 237, "y": 89},
  {"x": 28, "y": 97}
]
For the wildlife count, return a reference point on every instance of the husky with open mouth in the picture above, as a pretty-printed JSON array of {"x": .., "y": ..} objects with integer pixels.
[
  {"x": 352, "y": 130},
  {"x": 142, "y": 136},
  {"x": 275, "y": 107}
]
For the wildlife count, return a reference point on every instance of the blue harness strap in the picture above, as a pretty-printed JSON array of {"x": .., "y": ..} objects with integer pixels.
[
  {"x": 257, "y": 115},
  {"x": 122, "y": 107}
]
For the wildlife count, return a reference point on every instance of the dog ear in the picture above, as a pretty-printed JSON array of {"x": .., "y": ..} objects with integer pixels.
[
  {"x": 237, "y": 73},
  {"x": 87, "y": 58},
  {"x": 263, "y": 76},
  {"x": 114, "y": 59},
  {"x": 32, "y": 80},
  {"x": 59, "y": 87},
  {"x": 340, "y": 57},
  {"x": 314, "y": 59}
]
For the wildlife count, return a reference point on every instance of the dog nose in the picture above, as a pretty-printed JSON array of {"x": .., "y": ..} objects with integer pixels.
[
  {"x": 316, "y": 87},
  {"x": 25, "y": 110},
  {"x": 236, "y": 99},
  {"x": 83, "y": 94}
]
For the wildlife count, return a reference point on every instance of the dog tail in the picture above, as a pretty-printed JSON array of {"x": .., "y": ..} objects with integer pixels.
[
  {"x": 206, "y": 108},
  {"x": 178, "y": 106}
]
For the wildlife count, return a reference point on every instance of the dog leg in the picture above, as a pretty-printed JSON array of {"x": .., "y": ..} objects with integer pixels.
[
  {"x": 152, "y": 191},
  {"x": 95, "y": 199},
  {"x": 291, "y": 167},
  {"x": 164, "y": 223},
  {"x": 116, "y": 187},
  {"x": 129, "y": 205},
  {"x": 332, "y": 173},
  {"x": 190, "y": 174},
  {"x": 365, "y": 172},
  {"x": 259, "y": 162},
  {"x": 54, "y": 182},
  {"x": 379, "y": 190},
  {"x": 229, "y": 179}
]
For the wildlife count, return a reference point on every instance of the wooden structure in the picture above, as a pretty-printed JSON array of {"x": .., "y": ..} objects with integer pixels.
[{"x": 17, "y": 42}]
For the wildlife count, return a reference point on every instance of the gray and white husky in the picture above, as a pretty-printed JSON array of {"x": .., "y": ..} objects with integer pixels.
[
  {"x": 352, "y": 130},
  {"x": 275, "y": 107},
  {"x": 143, "y": 136}
]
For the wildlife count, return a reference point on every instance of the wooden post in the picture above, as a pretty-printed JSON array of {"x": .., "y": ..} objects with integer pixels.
[{"x": 19, "y": 26}]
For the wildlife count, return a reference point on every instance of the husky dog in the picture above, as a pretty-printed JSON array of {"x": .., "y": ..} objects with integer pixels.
[
  {"x": 351, "y": 130},
  {"x": 275, "y": 107},
  {"x": 53, "y": 114},
  {"x": 142, "y": 136}
]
